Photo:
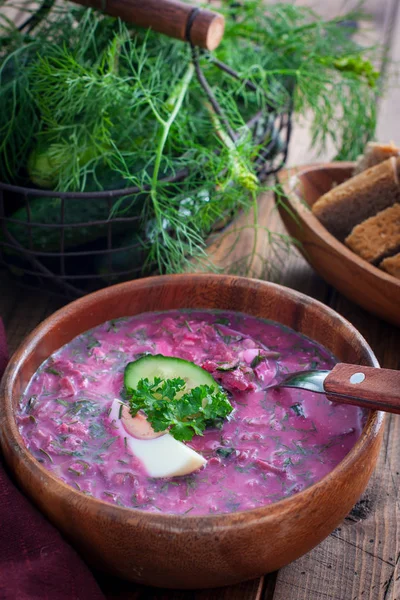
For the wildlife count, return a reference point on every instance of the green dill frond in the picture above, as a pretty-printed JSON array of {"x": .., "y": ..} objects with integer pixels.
[
  {"x": 316, "y": 61},
  {"x": 90, "y": 103}
]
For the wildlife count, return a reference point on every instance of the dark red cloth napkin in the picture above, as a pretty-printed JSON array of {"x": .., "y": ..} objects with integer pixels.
[
  {"x": 36, "y": 563},
  {"x": 3, "y": 349}
]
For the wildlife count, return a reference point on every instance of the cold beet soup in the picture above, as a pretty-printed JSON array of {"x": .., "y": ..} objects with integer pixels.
[{"x": 273, "y": 443}]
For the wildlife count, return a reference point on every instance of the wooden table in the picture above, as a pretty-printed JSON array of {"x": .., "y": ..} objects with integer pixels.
[{"x": 360, "y": 559}]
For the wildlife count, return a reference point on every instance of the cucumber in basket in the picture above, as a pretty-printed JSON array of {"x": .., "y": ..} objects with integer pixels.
[
  {"x": 47, "y": 211},
  {"x": 126, "y": 262}
]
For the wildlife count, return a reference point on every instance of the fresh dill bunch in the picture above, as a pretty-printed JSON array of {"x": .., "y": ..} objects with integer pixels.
[
  {"x": 127, "y": 105},
  {"x": 168, "y": 405},
  {"x": 86, "y": 100}
]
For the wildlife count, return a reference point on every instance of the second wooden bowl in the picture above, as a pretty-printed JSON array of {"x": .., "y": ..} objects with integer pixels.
[
  {"x": 366, "y": 285},
  {"x": 190, "y": 551}
]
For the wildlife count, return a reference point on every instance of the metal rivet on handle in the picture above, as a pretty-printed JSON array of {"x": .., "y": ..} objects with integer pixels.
[{"x": 357, "y": 378}]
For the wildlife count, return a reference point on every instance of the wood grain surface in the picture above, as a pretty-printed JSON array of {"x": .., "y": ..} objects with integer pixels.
[
  {"x": 376, "y": 389},
  {"x": 360, "y": 560}
]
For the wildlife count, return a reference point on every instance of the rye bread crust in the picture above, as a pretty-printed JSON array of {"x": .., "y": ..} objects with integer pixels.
[
  {"x": 378, "y": 236},
  {"x": 374, "y": 154},
  {"x": 359, "y": 198}
]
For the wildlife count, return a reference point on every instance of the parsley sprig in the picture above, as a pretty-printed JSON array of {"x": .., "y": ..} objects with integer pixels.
[{"x": 185, "y": 414}]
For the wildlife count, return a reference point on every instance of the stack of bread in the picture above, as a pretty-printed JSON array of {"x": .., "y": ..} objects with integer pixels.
[{"x": 364, "y": 211}]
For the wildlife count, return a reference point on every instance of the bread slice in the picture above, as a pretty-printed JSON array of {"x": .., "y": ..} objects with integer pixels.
[
  {"x": 359, "y": 198},
  {"x": 374, "y": 154},
  {"x": 392, "y": 265},
  {"x": 378, "y": 236}
]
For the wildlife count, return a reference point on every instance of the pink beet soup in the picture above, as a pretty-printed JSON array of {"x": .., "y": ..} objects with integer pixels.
[{"x": 275, "y": 443}]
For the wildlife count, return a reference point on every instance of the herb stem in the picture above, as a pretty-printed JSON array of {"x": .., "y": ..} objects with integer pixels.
[
  {"x": 46, "y": 454},
  {"x": 177, "y": 99},
  {"x": 255, "y": 235},
  {"x": 184, "y": 84},
  {"x": 240, "y": 171}
]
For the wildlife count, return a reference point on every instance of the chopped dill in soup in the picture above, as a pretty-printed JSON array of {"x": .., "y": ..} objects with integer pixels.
[{"x": 137, "y": 445}]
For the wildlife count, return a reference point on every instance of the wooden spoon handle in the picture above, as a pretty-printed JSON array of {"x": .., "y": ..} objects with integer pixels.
[
  {"x": 376, "y": 389},
  {"x": 170, "y": 17}
]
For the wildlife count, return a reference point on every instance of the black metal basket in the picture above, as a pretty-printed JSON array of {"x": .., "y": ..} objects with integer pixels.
[{"x": 76, "y": 269}]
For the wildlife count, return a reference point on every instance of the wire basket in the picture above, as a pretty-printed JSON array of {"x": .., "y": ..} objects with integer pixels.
[{"x": 75, "y": 269}]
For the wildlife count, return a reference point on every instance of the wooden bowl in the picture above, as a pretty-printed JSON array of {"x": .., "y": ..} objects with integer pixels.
[
  {"x": 366, "y": 285},
  {"x": 190, "y": 551}
]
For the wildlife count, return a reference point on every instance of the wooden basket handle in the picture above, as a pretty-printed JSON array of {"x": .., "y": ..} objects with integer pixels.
[{"x": 171, "y": 17}]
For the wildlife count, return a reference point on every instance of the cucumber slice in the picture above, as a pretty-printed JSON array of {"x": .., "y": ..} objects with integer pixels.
[{"x": 166, "y": 367}]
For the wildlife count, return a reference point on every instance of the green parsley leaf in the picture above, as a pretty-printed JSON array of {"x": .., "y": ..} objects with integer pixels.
[{"x": 167, "y": 406}]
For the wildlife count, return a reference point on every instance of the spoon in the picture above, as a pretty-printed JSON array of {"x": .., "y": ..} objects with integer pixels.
[{"x": 369, "y": 387}]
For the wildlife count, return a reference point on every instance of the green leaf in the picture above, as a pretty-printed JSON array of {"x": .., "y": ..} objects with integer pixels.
[
  {"x": 225, "y": 452},
  {"x": 298, "y": 410},
  {"x": 53, "y": 371},
  {"x": 185, "y": 414},
  {"x": 256, "y": 361},
  {"x": 93, "y": 343},
  {"x": 92, "y": 100},
  {"x": 223, "y": 321}
]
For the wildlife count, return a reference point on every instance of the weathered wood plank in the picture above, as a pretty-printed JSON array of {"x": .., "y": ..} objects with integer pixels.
[
  {"x": 250, "y": 590},
  {"x": 22, "y": 309}
]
